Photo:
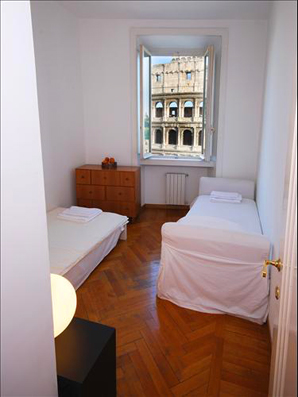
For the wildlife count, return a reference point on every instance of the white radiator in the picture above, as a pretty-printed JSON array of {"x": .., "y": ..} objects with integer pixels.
[{"x": 175, "y": 188}]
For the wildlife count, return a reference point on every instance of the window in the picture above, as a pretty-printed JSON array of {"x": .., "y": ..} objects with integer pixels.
[
  {"x": 173, "y": 128},
  {"x": 173, "y": 137},
  {"x": 188, "y": 107},
  {"x": 187, "y": 138},
  {"x": 158, "y": 78},
  {"x": 173, "y": 109},
  {"x": 158, "y": 136},
  {"x": 158, "y": 109}
]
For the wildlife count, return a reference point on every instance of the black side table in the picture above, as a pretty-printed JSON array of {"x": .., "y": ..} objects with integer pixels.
[{"x": 86, "y": 360}]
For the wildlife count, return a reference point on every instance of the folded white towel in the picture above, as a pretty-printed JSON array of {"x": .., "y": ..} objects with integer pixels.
[
  {"x": 81, "y": 211},
  {"x": 79, "y": 214},
  {"x": 221, "y": 200},
  {"x": 226, "y": 195}
]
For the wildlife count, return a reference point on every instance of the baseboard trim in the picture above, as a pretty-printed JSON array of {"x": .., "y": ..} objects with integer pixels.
[{"x": 166, "y": 206}]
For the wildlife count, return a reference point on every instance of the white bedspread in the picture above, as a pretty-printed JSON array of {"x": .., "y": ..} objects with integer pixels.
[
  {"x": 212, "y": 260},
  {"x": 69, "y": 242},
  {"x": 245, "y": 214}
]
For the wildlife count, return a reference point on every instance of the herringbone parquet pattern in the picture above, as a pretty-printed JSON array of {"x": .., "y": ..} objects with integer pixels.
[{"x": 162, "y": 349}]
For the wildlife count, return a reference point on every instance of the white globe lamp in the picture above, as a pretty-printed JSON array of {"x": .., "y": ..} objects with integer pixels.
[{"x": 64, "y": 303}]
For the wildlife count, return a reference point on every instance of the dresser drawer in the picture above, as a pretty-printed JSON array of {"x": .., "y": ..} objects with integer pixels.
[
  {"x": 120, "y": 193},
  {"x": 90, "y": 192},
  {"x": 84, "y": 203},
  {"x": 127, "y": 179},
  {"x": 129, "y": 209},
  {"x": 105, "y": 178},
  {"x": 83, "y": 177},
  {"x": 107, "y": 206}
]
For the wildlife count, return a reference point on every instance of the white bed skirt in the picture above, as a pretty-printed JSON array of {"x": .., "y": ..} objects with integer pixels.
[
  {"x": 82, "y": 270},
  {"x": 229, "y": 279}
]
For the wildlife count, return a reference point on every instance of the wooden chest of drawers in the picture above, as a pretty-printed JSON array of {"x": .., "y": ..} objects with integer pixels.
[{"x": 111, "y": 190}]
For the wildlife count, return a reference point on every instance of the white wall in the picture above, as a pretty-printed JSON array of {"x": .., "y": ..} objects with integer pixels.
[
  {"x": 154, "y": 187},
  {"x": 60, "y": 99},
  {"x": 27, "y": 343},
  {"x": 107, "y": 87},
  {"x": 278, "y": 121},
  {"x": 238, "y": 156}
]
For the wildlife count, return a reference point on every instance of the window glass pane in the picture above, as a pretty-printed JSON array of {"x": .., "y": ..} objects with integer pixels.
[{"x": 178, "y": 105}]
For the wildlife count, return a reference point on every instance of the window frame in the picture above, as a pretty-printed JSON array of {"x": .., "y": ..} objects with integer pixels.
[
  {"x": 139, "y": 35},
  {"x": 208, "y": 130},
  {"x": 207, "y": 109},
  {"x": 142, "y": 119}
]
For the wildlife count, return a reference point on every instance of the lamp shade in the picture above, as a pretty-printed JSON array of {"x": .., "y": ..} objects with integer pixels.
[{"x": 64, "y": 302}]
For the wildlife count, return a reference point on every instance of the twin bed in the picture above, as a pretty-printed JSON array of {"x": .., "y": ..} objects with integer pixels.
[
  {"x": 76, "y": 249},
  {"x": 211, "y": 260}
]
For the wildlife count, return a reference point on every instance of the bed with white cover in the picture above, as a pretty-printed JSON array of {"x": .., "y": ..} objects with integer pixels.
[
  {"x": 76, "y": 248},
  {"x": 212, "y": 259}
]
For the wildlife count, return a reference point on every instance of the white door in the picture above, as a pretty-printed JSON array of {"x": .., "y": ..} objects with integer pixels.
[{"x": 284, "y": 286}]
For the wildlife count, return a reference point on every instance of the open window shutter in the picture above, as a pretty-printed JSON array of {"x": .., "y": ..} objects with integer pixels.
[
  {"x": 145, "y": 102},
  {"x": 208, "y": 128}
]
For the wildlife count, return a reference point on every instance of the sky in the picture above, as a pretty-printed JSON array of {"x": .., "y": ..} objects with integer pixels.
[{"x": 155, "y": 60}]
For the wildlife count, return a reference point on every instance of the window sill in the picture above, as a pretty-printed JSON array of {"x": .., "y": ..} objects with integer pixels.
[{"x": 177, "y": 162}]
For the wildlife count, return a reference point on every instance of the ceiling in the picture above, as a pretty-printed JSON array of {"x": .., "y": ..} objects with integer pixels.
[{"x": 169, "y": 10}]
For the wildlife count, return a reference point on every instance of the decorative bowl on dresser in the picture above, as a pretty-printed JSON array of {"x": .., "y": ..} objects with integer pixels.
[{"x": 112, "y": 190}]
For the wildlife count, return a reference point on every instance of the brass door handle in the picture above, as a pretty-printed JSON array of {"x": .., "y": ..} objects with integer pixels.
[{"x": 278, "y": 264}]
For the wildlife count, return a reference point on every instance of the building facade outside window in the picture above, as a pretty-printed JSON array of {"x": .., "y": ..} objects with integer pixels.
[
  {"x": 158, "y": 109},
  {"x": 176, "y": 105},
  {"x": 188, "y": 106},
  {"x": 187, "y": 138},
  {"x": 158, "y": 137},
  {"x": 173, "y": 137},
  {"x": 173, "y": 109}
]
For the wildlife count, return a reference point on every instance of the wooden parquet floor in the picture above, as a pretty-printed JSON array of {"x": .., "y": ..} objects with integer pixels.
[{"x": 162, "y": 349}]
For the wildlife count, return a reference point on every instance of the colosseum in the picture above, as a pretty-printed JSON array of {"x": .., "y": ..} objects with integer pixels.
[{"x": 177, "y": 106}]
